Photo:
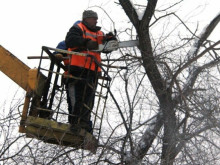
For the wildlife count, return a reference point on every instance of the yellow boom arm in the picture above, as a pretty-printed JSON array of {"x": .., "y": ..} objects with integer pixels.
[{"x": 14, "y": 68}]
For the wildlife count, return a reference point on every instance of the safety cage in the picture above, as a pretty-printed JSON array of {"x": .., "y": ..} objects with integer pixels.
[{"x": 45, "y": 113}]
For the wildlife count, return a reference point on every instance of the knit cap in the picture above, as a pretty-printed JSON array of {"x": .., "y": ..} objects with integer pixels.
[{"x": 89, "y": 14}]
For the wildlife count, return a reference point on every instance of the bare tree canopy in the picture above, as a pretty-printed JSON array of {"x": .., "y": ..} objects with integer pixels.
[{"x": 164, "y": 107}]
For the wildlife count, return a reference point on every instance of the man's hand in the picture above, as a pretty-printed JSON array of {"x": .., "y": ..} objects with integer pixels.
[
  {"x": 59, "y": 56},
  {"x": 91, "y": 45},
  {"x": 110, "y": 36}
]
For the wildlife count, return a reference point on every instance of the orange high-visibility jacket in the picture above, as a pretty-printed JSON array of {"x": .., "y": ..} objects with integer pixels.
[{"x": 84, "y": 61}]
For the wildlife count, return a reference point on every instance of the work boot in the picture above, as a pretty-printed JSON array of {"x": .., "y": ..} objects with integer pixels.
[
  {"x": 74, "y": 124},
  {"x": 75, "y": 128},
  {"x": 87, "y": 126}
]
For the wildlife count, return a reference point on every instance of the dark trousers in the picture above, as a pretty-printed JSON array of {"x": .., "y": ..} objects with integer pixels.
[{"x": 81, "y": 96}]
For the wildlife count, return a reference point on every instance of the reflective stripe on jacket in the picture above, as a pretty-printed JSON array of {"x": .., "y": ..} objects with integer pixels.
[{"x": 84, "y": 61}]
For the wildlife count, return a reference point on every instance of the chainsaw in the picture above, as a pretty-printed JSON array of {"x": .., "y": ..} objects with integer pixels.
[{"x": 113, "y": 45}]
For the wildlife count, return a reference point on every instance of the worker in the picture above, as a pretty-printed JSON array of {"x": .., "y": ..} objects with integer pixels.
[
  {"x": 62, "y": 45},
  {"x": 83, "y": 37}
]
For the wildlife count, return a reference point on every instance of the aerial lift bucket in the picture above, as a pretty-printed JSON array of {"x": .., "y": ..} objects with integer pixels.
[{"x": 35, "y": 84}]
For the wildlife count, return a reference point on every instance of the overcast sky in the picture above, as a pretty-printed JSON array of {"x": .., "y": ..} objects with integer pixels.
[{"x": 27, "y": 25}]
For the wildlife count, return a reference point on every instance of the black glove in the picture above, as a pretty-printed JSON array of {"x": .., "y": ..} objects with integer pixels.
[
  {"x": 59, "y": 57},
  {"x": 91, "y": 45},
  {"x": 110, "y": 36}
]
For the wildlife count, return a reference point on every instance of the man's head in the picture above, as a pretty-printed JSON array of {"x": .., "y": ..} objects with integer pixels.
[{"x": 90, "y": 17}]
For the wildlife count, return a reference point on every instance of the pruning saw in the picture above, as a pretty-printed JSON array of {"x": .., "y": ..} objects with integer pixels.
[{"x": 113, "y": 45}]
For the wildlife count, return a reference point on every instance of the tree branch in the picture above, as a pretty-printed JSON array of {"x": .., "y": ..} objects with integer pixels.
[
  {"x": 130, "y": 12},
  {"x": 148, "y": 137},
  {"x": 149, "y": 12}
]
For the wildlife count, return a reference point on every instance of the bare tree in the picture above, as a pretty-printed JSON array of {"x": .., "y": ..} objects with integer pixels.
[
  {"x": 163, "y": 109},
  {"x": 180, "y": 86}
]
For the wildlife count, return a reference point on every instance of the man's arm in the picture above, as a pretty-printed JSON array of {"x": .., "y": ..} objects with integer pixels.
[{"x": 74, "y": 37}]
